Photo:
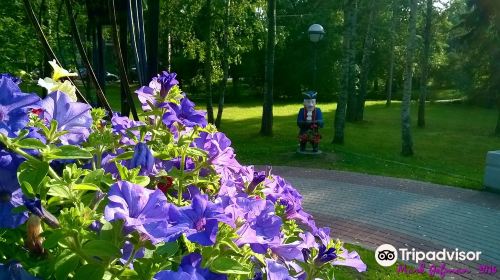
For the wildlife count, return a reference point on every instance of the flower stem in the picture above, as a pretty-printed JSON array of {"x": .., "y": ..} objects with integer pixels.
[
  {"x": 52, "y": 173},
  {"x": 181, "y": 179}
]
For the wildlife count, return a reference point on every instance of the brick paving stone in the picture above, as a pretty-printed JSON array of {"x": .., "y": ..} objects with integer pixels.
[{"x": 371, "y": 210}]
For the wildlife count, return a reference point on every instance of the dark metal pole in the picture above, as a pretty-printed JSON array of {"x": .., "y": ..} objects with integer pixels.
[{"x": 315, "y": 65}]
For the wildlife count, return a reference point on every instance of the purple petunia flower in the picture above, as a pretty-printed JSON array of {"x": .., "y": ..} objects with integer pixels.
[
  {"x": 277, "y": 271},
  {"x": 14, "y": 107},
  {"x": 294, "y": 250},
  {"x": 127, "y": 250},
  {"x": 280, "y": 191},
  {"x": 122, "y": 125},
  {"x": 73, "y": 117},
  {"x": 261, "y": 229},
  {"x": 161, "y": 84},
  {"x": 189, "y": 164},
  {"x": 200, "y": 220},
  {"x": 190, "y": 269},
  {"x": 184, "y": 114},
  {"x": 220, "y": 155},
  {"x": 143, "y": 157},
  {"x": 164, "y": 82},
  {"x": 146, "y": 97},
  {"x": 351, "y": 259},
  {"x": 11, "y": 195},
  {"x": 14, "y": 271},
  {"x": 142, "y": 209}
]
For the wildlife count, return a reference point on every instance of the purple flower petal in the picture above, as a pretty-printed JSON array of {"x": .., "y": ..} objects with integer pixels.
[
  {"x": 142, "y": 209},
  {"x": 14, "y": 107},
  {"x": 73, "y": 117}
]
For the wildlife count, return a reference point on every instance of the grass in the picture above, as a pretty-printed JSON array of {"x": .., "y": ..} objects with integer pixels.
[
  {"x": 374, "y": 270},
  {"x": 451, "y": 150}
]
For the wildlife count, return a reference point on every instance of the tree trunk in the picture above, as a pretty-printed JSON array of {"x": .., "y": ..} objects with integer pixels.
[
  {"x": 208, "y": 63},
  {"x": 365, "y": 62},
  {"x": 225, "y": 65},
  {"x": 395, "y": 18},
  {"x": 407, "y": 142},
  {"x": 353, "y": 71},
  {"x": 425, "y": 65},
  {"x": 267, "y": 109},
  {"x": 340, "y": 113}
]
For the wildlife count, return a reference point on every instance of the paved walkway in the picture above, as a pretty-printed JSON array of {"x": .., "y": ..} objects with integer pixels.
[{"x": 372, "y": 210}]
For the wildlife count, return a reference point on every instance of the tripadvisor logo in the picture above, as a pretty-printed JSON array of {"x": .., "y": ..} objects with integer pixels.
[{"x": 387, "y": 255}]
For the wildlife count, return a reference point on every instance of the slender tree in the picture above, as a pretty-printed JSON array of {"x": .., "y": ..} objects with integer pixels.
[
  {"x": 425, "y": 64},
  {"x": 267, "y": 110},
  {"x": 348, "y": 48},
  {"x": 365, "y": 61},
  {"x": 394, "y": 20},
  {"x": 225, "y": 63},
  {"x": 353, "y": 69},
  {"x": 208, "y": 61},
  {"x": 407, "y": 141}
]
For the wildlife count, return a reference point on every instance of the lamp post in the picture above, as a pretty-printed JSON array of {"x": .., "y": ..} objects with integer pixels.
[{"x": 316, "y": 33}]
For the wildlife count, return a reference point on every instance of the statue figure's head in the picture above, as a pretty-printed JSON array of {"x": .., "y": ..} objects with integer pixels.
[{"x": 310, "y": 100}]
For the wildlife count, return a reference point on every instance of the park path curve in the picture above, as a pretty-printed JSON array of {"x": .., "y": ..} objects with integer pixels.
[{"x": 370, "y": 210}]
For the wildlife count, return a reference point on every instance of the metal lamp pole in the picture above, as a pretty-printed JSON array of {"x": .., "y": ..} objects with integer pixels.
[{"x": 316, "y": 33}]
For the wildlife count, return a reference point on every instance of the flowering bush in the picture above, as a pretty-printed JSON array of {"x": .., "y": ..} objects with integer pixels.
[{"x": 86, "y": 196}]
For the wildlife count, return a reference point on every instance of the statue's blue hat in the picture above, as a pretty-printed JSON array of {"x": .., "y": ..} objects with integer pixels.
[{"x": 310, "y": 95}]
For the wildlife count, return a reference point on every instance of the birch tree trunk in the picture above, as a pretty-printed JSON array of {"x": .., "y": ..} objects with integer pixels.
[
  {"x": 267, "y": 110},
  {"x": 352, "y": 69},
  {"x": 425, "y": 65},
  {"x": 395, "y": 18},
  {"x": 347, "y": 45},
  {"x": 407, "y": 141},
  {"x": 365, "y": 61},
  {"x": 225, "y": 65},
  {"x": 208, "y": 63}
]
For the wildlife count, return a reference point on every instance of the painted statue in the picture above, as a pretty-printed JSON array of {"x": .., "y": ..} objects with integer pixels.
[{"x": 309, "y": 120}]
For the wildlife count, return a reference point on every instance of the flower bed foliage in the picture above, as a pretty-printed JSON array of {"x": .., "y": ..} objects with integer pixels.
[{"x": 84, "y": 195}]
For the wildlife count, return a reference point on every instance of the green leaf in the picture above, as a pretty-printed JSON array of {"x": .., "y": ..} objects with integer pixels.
[
  {"x": 65, "y": 265},
  {"x": 31, "y": 143},
  {"x": 129, "y": 273},
  {"x": 68, "y": 152},
  {"x": 123, "y": 156},
  {"x": 94, "y": 177},
  {"x": 27, "y": 189},
  {"x": 89, "y": 271},
  {"x": 32, "y": 172},
  {"x": 168, "y": 249},
  {"x": 112, "y": 232},
  {"x": 141, "y": 180},
  {"x": 227, "y": 265},
  {"x": 59, "y": 191},
  {"x": 101, "y": 248},
  {"x": 85, "y": 187}
]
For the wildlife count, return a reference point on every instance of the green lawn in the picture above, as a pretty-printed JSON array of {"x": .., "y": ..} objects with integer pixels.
[
  {"x": 450, "y": 150},
  {"x": 374, "y": 270}
]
